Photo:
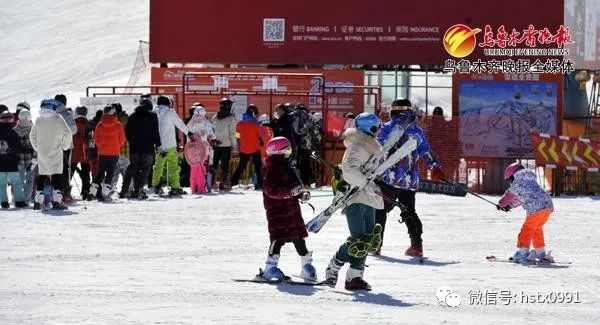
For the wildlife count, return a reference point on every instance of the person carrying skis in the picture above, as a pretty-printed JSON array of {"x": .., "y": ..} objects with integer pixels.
[
  {"x": 109, "y": 138},
  {"x": 361, "y": 145},
  {"x": 524, "y": 190},
  {"x": 281, "y": 192},
  {"x": 168, "y": 120},
  {"x": 202, "y": 129},
  {"x": 249, "y": 139},
  {"x": 10, "y": 148},
  {"x": 401, "y": 182},
  {"x": 143, "y": 137},
  {"x": 50, "y": 136}
]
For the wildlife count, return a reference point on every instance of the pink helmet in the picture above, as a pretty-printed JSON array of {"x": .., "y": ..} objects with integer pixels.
[
  {"x": 511, "y": 170},
  {"x": 279, "y": 146}
]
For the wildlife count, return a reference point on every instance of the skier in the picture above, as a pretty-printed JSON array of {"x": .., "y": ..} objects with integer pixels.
[
  {"x": 202, "y": 129},
  {"x": 27, "y": 159},
  {"x": 79, "y": 153},
  {"x": 92, "y": 150},
  {"x": 10, "y": 148},
  {"x": 50, "y": 136},
  {"x": 67, "y": 115},
  {"x": 224, "y": 124},
  {"x": 364, "y": 237},
  {"x": 524, "y": 190},
  {"x": 303, "y": 125},
  {"x": 123, "y": 161},
  {"x": 144, "y": 138},
  {"x": 109, "y": 138},
  {"x": 168, "y": 120},
  {"x": 402, "y": 180},
  {"x": 266, "y": 134},
  {"x": 281, "y": 192},
  {"x": 248, "y": 132},
  {"x": 283, "y": 125}
]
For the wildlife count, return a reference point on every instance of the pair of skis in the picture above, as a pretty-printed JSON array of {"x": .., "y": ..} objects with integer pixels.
[{"x": 375, "y": 167}]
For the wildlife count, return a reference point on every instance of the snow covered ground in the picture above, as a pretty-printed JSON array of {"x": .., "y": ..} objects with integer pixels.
[
  {"x": 172, "y": 261},
  {"x": 51, "y": 47}
]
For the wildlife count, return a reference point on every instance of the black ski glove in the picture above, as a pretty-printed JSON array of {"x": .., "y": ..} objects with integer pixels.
[{"x": 505, "y": 209}]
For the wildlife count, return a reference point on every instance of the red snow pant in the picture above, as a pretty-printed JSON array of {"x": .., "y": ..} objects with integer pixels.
[
  {"x": 532, "y": 229},
  {"x": 198, "y": 178}
]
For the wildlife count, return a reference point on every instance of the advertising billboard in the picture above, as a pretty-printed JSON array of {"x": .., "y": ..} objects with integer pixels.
[{"x": 329, "y": 32}]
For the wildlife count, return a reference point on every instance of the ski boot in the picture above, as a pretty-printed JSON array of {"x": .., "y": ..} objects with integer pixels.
[
  {"x": 21, "y": 204},
  {"x": 38, "y": 200},
  {"x": 158, "y": 190},
  {"x": 332, "y": 270},
  {"x": 57, "y": 200},
  {"x": 141, "y": 195},
  {"x": 106, "y": 193},
  {"x": 125, "y": 195},
  {"x": 414, "y": 251},
  {"x": 355, "y": 281},
  {"x": 308, "y": 270},
  {"x": 93, "y": 191},
  {"x": 4, "y": 205},
  {"x": 540, "y": 255},
  {"x": 521, "y": 256},
  {"x": 272, "y": 273}
]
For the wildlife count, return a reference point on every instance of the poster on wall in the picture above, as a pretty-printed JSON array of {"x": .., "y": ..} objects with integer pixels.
[{"x": 497, "y": 117}]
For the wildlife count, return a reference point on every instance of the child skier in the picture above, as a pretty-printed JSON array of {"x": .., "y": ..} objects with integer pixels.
[
  {"x": 361, "y": 144},
  {"x": 281, "y": 192},
  {"x": 202, "y": 129},
  {"x": 524, "y": 190}
]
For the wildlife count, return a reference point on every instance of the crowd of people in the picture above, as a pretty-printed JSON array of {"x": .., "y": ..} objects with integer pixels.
[{"x": 143, "y": 148}]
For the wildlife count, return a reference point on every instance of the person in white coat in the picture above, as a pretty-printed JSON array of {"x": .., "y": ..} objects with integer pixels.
[
  {"x": 168, "y": 120},
  {"x": 365, "y": 234},
  {"x": 202, "y": 129},
  {"x": 50, "y": 136},
  {"x": 225, "y": 142}
]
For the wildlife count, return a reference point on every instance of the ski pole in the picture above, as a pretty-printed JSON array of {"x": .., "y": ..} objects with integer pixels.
[
  {"x": 79, "y": 189},
  {"x": 297, "y": 174},
  {"x": 472, "y": 193}
]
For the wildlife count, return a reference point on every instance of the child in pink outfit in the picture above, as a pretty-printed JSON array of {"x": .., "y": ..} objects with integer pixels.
[{"x": 203, "y": 131}]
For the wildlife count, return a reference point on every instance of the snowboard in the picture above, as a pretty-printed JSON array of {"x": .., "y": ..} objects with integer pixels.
[{"x": 196, "y": 151}]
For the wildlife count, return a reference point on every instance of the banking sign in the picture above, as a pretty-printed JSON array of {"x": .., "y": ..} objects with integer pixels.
[{"x": 333, "y": 32}]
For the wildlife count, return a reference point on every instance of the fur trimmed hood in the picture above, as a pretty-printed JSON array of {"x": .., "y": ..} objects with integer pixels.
[{"x": 353, "y": 136}]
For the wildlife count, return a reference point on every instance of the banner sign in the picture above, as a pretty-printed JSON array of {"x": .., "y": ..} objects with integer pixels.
[
  {"x": 566, "y": 152},
  {"x": 330, "y": 32}
]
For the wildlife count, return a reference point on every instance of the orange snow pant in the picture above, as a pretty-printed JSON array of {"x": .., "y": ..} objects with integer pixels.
[{"x": 532, "y": 229}]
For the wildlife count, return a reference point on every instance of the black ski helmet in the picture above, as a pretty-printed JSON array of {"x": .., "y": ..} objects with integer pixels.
[
  {"x": 252, "y": 109},
  {"x": 61, "y": 98},
  {"x": 163, "y": 100},
  {"x": 400, "y": 102},
  {"x": 225, "y": 104}
]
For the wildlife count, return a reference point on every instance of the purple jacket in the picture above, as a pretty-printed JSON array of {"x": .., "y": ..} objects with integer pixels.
[{"x": 525, "y": 191}]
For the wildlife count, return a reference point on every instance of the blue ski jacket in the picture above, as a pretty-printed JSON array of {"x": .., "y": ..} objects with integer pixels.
[{"x": 405, "y": 174}]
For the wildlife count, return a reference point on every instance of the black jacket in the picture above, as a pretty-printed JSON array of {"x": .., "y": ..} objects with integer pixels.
[
  {"x": 10, "y": 147},
  {"x": 284, "y": 127},
  {"x": 142, "y": 131}
]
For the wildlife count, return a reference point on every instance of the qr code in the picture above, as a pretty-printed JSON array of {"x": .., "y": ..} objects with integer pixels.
[{"x": 273, "y": 30}]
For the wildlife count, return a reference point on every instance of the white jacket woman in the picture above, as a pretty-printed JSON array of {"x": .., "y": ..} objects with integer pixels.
[
  {"x": 49, "y": 136},
  {"x": 359, "y": 148}
]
